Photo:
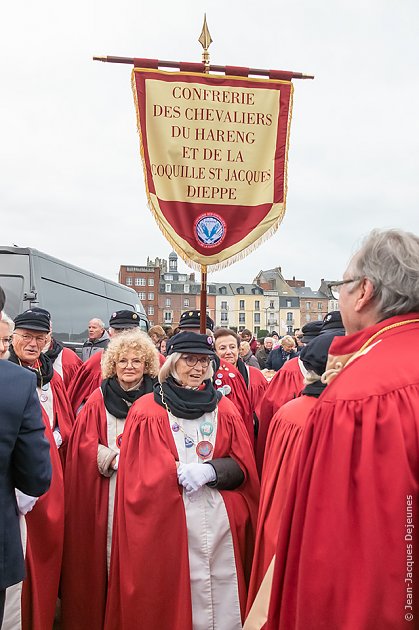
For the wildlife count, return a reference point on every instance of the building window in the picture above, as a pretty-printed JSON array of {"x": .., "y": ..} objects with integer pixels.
[
  {"x": 150, "y": 282},
  {"x": 320, "y": 317},
  {"x": 150, "y": 310},
  {"x": 168, "y": 302},
  {"x": 223, "y": 306},
  {"x": 257, "y": 328},
  {"x": 223, "y": 318},
  {"x": 168, "y": 276},
  {"x": 241, "y": 305},
  {"x": 128, "y": 282},
  {"x": 271, "y": 304},
  {"x": 289, "y": 330},
  {"x": 141, "y": 295},
  {"x": 223, "y": 290},
  {"x": 308, "y": 306},
  {"x": 168, "y": 288},
  {"x": 186, "y": 288},
  {"x": 182, "y": 278},
  {"x": 186, "y": 302},
  {"x": 257, "y": 318},
  {"x": 151, "y": 296},
  {"x": 319, "y": 306},
  {"x": 289, "y": 303},
  {"x": 257, "y": 305},
  {"x": 240, "y": 290},
  {"x": 139, "y": 282},
  {"x": 167, "y": 316},
  {"x": 289, "y": 317},
  {"x": 242, "y": 318},
  {"x": 308, "y": 317}
]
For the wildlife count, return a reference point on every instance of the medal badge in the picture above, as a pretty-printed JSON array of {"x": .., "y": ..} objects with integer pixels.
[{"x": 204, "y": 449}]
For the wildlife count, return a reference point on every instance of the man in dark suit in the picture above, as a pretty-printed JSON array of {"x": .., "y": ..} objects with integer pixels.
[{"x": 24, "y": 463}]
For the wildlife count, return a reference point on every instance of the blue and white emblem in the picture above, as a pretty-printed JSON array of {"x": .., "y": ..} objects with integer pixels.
[{"x": 210, "y": 229}]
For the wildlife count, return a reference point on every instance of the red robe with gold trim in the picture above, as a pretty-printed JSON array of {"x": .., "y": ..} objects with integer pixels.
[
  {"x": 348, "y": 543},
  {"x": 45, "y": 525},
  {"x": 149, "y": 576},
  {"x": 71, "y": 364}
]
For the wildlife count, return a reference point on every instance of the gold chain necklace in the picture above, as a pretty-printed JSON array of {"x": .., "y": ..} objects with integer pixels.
[{"x": 383, "y": 330}]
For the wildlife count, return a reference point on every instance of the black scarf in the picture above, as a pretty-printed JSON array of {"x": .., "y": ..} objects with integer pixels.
[
  {"x": 45, "y": 372},
  {"x": 54, "y": 350},
  {"x": 186, "y": 403},
  {"x": 241, "y": 366},
  {"x": 314, "y": 389},
  {"x": 118, "y": 401}
]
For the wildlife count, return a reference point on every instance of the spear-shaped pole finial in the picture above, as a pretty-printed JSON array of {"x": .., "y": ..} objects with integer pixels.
[{"x": 205, "y": 41}]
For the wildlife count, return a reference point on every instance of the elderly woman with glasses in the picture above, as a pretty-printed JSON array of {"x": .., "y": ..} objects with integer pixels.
[
  {"x": 186, "y": 498},
  {"x": 129, "y": 369}
]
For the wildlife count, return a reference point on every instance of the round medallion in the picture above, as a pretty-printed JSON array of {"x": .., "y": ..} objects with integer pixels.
[
  {"x": 206, "y": 428},
  {"x": 227, "y": 390},
  {"x": 188, "y": 442},
  {"x": 210, "y": 229},
  {"x": 175, "y": 427},
  {"x": 118, "y": 440},
  {"x": 231, "y": 375},
  {"x": 204, "y": 449},
  {"x": 218, "y": 381},
  {"x": 43, "y": 397},
  {"x": 219, "y": 376}
]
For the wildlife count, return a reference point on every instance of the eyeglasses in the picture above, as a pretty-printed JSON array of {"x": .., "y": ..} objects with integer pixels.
[
  {"x": 191, "y": 360},
  {"x": 40, "y": 339},
  {"x": 135, "y": 363},
  {"x": 336, "y": 287},
  {"x": 6, "y": 341}
]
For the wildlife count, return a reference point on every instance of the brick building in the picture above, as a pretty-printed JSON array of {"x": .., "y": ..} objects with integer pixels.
[{"x": 145, "y": 281}]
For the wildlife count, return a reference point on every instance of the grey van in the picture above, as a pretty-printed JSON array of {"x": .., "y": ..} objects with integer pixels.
[{"x": 72, "y": 295}]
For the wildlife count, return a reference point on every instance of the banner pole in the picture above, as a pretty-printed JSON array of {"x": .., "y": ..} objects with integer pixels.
[{"x": 203, "y": 302}]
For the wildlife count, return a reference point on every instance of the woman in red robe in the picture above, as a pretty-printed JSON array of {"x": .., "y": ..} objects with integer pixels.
[
  {"x": 186, "y": 503},
  {"x": 128, "y": 367}
]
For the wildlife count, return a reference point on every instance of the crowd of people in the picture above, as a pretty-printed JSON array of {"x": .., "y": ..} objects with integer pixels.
[{"x": 188, "y": 481}]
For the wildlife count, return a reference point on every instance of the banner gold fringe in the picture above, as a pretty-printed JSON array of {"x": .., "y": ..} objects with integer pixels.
[{"x": 196, "y": 265}]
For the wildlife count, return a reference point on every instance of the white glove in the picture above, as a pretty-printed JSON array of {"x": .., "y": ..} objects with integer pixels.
[
  {"x": 25, "y": 502},
  {"x": 57, "y": 437},
  {"x": 116, "y": 462},
  {"x": 193, "y": 476}
]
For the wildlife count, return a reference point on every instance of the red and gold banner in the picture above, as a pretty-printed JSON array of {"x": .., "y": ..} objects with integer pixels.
[{"x": 214, "y": 150}]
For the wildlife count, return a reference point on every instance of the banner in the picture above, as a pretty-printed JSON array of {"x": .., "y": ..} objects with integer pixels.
[{"x": 214, "y": 151}]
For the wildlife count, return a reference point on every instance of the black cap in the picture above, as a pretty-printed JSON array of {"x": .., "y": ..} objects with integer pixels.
[
  {"x": 311, "y": 330},
  {"x": 192, "y": 319},
  {"x": 332, "y": 321},
  {"x": 314, "y": 354},
  {"x": 33, "y": 320},
  {"x": 124, "y": 319},
  {"x": 2, "y": 299},
  {"x": 190, "y": 342},
  {"x": 38, "y": 309}
]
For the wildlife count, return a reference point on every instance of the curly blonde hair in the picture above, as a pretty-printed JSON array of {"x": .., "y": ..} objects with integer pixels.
[{"x": 130, "y": 340}]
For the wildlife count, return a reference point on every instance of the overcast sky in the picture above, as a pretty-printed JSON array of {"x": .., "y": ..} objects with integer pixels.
[{"x": 71, "y": 180}]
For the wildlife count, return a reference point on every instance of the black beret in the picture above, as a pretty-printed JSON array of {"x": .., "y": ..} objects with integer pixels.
[
  {"x": 314, "y": 354},
  {"x": 332, "y": 321},
  {"x": 311, "y": 330},
  {"x": 33, "y": 320},
  {"x": 192, "y": 319},
  {"x": 124, "y": 319},
  {"x": 190, "y": 342}
]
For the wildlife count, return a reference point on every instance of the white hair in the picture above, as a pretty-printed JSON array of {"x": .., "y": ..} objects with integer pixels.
[
  {"x": 99, "y": 321},
  {"x": 7, "y": 320},
  {"x": 390, "y": 260},
  {"x": 169, "y": 368}
]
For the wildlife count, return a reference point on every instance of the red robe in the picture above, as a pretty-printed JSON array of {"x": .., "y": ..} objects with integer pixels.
[
  {"x": 228, "y": 374},
  {"x": 86, "y": 380},
  {"x": 84, "y": 579},
  {"x": 149, "y": 577},
  {"x": 71, "y": 364},
  {"x": 282, "y": 447},
  {"x": 349, "y": 536},
  {"x": 257, "y": 386},
  {"x": 287, "y": 384},
  {"x": 45, "y": 524}
]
